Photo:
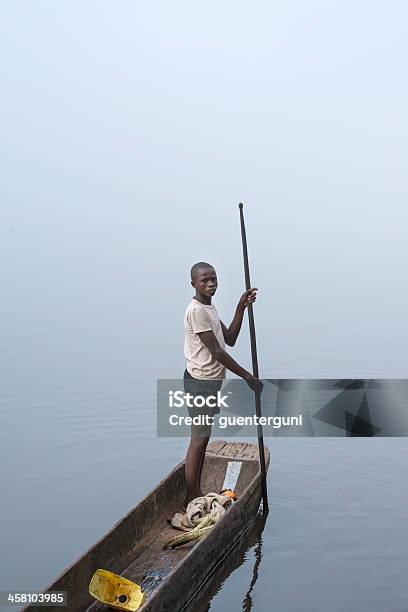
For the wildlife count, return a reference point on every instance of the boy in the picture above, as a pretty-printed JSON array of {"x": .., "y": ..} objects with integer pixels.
[{"x": 207, "y": 361}]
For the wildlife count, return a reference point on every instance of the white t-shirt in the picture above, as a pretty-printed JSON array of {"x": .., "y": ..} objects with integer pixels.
[{"x": 200, "y": 318}]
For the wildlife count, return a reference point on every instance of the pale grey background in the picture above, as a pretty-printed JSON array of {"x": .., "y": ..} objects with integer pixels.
[{"x": 129, "y": 132}]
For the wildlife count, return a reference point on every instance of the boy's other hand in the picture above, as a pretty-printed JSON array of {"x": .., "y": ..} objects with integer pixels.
[
  {"x": 254, "y": 383},
  {"x": 248, "y": 297}
]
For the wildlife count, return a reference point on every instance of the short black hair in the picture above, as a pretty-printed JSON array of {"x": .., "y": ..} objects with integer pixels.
[{"x": 198, "y": 266}]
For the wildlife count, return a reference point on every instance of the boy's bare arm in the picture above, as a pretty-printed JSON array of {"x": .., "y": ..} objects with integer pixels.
[
  {"x": 222, "y": 356},
  {"x": 231, "y": 333}
]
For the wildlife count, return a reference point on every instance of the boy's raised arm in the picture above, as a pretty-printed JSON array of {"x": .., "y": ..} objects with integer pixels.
[{"x": 231, "y": 332}]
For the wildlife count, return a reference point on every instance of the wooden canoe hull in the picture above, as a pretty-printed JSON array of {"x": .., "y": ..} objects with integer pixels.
[{"x": 133, "y": 547}]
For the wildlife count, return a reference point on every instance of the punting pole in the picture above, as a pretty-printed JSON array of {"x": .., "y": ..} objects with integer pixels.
[{"x": 254, "y": 363}]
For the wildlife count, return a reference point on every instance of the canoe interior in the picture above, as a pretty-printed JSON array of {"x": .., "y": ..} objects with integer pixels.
[
  {"x": 134, "y": 546},
  {"x": 150, "y": 564}
]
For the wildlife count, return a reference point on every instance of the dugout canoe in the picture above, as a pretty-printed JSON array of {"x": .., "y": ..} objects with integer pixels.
[{"x": 133, "y": 548}]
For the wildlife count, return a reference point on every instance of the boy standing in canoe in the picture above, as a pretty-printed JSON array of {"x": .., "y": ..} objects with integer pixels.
[{"x": 207, "y": 361}]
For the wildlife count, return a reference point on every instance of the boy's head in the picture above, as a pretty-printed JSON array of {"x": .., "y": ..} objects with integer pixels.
[{"x": 204, "y": 279}]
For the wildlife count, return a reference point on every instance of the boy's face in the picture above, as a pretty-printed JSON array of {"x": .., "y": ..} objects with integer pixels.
[{"x": 205, "y": 281}]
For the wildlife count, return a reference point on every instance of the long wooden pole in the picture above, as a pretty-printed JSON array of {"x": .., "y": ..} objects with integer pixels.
[{"x": 254, "y": 362}]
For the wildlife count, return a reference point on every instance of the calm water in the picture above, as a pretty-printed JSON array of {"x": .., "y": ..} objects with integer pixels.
[
  {"x": 74, "y": 460},
  {"x": 129, "y": 134}
]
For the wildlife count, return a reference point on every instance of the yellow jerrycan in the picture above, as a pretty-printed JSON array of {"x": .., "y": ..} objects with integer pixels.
[{"x": 115, "y": 591}]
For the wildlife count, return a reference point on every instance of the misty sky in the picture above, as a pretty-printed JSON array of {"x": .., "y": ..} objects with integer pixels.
[{"x": 129, "y": 133}]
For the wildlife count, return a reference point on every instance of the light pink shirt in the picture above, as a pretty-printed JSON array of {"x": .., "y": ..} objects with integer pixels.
[{"x": 200, "y": 318}]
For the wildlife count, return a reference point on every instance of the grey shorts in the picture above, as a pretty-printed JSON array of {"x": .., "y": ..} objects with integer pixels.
[{"x": 205, "y": 388}]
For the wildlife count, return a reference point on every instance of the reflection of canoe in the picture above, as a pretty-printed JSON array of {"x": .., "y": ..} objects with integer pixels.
[
  {"x": 133, "y": 548},
  {"x": 248, "y": 551}
]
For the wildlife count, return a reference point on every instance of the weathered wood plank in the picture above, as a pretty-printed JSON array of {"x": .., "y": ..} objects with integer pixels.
[
  {"x": 233, "y": 450},
  {"x": 251, "y": 452},
  {"x": 214, "y": 448}
]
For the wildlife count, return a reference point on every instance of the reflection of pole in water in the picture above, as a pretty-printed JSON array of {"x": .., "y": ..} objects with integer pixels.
[
  {"x": 201, "y": 601},
  {"x": 248, "y": 601}
]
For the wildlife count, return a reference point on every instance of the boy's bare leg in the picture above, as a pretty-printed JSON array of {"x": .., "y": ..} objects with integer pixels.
[
  {"x": 200, "y": 434},
  {"x": 201, "y": 465}
]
